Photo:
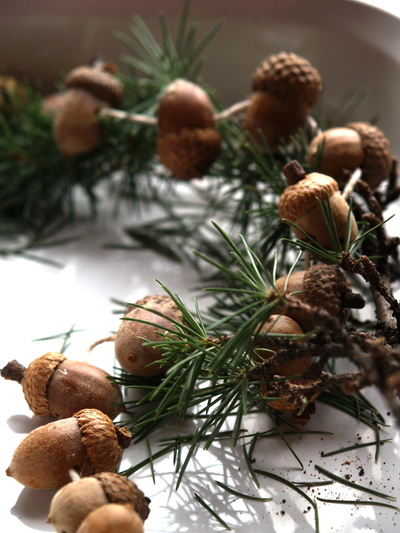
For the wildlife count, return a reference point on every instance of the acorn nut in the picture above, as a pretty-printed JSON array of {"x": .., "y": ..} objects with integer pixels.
[
  {"x": 88, "y": 442},
  {"x": 76, "y": 500},
  {"x": 286, "y": 87},
  {"x": 131, "y": 351},
  {"x": 77, "y": 129},
  {"x": 112, "y": 518},
  {"x": 188, "y": 142},
  {"x": 338, "y": 152},
  {"x": 299, "y": 204},
  {"x": 282, "y": 325},
  {"x": 55, "y": 386}
]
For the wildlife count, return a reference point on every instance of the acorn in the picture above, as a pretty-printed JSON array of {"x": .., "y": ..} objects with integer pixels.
[
  {"x": 286, "y": 87},
  {"x": 299, "y": 204},
  {"x": 55, "y": 386},
  {"x": 282, "y": 325},
  {"x": 76, "y": 500},
  {"x": 188, "y": 142},
  {"x": 338, "y": 152},
  {"x": 131, "y": 351},
  {"x": 112, "y": 518},
  {"x": 319, "y": 286},
  {"x": 77, "y": 129},
  {"x": 88, "y": 442}
]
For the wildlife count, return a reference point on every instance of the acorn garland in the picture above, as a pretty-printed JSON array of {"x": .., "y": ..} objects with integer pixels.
[{"x": 305, "y": 315}]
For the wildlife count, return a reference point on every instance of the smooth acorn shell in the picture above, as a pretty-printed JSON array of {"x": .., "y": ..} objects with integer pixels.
[
  {"x": 130, "y": 350},
  {"x": 44, "y": 457},
  {"x": 184, "y": 105},
  {"x": 112, "y": 518},
  {"x": 284, "y": 325},
  {"x": 76, "y": 385},
  {"x": 77, "y": 129}
]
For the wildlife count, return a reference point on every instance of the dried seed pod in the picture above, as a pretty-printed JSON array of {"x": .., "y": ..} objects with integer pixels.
[
  {"x": 285, "y": 89},
  {"x": 299, "y": 204},
  {"x": 73, "y": 503},
  {"x": 112, "y": 518},
  {"x": 55, "y": 386},
  {"x": 340, "y": 151},
  {"x": 188, "y": 142},
  {"x": 77, "y": 129},
  {"x": 319, "y": 286},
  {"x": 88, "y": 442},
  {"x": 130, "y": 350}
]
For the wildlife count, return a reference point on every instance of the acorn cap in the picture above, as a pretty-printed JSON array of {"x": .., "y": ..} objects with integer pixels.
[
  {"x": 35, "y": 380},
  {"x": 302, "y": 196},
  {"x": 289, "y": 77},
  {"x": 101, "y": 84},
  {"x": 189, "y": 153},
  {"x": 377, "y": 162},
  {"x": 104, "y": 441},
  {"x": 120, "y": 489},
  {"x": 325, "y": 286}
]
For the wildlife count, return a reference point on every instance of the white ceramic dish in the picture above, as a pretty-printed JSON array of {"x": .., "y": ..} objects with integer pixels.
[{"x": 352, "y": 45}]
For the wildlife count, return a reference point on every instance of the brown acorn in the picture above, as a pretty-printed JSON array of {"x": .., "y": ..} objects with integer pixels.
[
  {"x": 130, "y": 350},
  {"x": 285, "y": 89},
  {"x": 55, "y": 386},
  {"x": 77, "y": 129},
  {"x": 188, "y": 141},
  {"x": 282, "y": 325},
  {"x": 340, "y": 151},
  {"x": 88, "y": 442},
  {"x": 299, "y": 203},
  {"x": 319, "y": 286},
  {"x": 112, "y": 518},
  {"x": 73, "y": 503}
]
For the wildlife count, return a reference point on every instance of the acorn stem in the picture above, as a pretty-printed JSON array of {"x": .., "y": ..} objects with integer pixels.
[
  {"x": 294, "y": 172},
  {"x": 350, "y": 185},
  {"x": 232, "y": 110},
  {"x": 134, "y": 117},
  {"x": 73, "y": 474},
  {"x": 14, "y": 371},
  {"x": 110, "y": 338}
]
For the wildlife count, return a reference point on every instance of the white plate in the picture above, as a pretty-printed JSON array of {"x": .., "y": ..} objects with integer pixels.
[{"x": 354, "y": 46}]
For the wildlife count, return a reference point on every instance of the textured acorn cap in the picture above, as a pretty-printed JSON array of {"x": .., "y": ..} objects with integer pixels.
[
  {"x": 104, "y": 441},
  {"x": 189, "y": 153},
  {"x": 289, "y": 77},
  {"x": 120, "y": 489},
  {"x": 112, "y": 518},
  {"x": 101, "y": 84},
  {"x": 377, "y": 162},
  {"x": 302, "y": 196},
  {"x": 35, "y": 381}
]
